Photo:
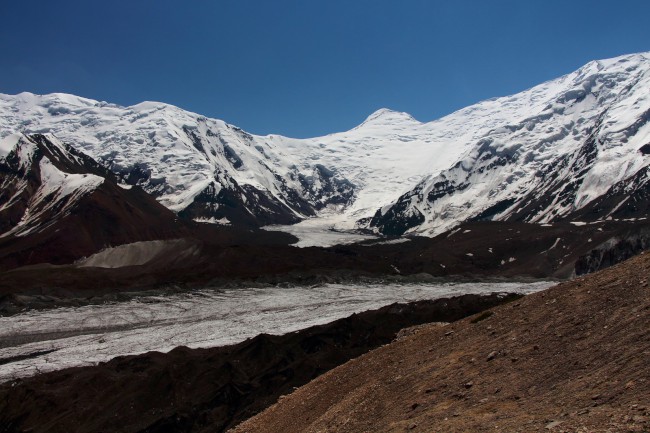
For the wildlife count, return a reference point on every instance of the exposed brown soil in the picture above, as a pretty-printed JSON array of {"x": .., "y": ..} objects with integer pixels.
[
  {"x": 574, "y": 358},
  {"x": 208, "y": 390}
]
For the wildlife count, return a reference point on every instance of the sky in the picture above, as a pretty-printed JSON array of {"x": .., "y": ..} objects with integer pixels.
[{"x": 305, "y": 68}]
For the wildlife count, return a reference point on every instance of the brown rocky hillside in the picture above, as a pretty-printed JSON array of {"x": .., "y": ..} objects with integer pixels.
[{"x": 574, "y": 358}]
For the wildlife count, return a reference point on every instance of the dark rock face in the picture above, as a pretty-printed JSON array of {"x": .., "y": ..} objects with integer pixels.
[
  {"x": 239, "y": 205},
  {"x": 248, "y": 206},
  {"x": 494, "y": 210},
  {"x": 442, "y": 188},
  {"x": 232, "y": 157},
  {"x": 559, "y": 181},
  {"x": 325, "y": 188},
  {"x": 402, "y": 216},
  {"x": 398, "y": 219},
  {"x": 140, "y": 175},
  {"x": 209, "y": 389},
  {"x": 615, "y": 250}
]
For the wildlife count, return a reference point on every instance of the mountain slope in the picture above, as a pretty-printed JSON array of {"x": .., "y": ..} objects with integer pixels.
[
  {"x": 571, "y": 358},
  {"x": 57, "y": 204},
  {"x": 547, "y": 153}
]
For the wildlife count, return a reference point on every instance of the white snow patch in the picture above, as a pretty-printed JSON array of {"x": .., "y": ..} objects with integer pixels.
[
  {"x": 54, "y": 181},
  {"x": 618, "y": 206},
  {"x": 8, "y": 143},
  {"x": 557, "y": 241},
  {"x": 387, "y": 242}
]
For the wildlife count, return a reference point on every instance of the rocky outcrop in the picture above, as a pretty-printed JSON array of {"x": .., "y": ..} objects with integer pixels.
[{"x": 613, "y": 251}]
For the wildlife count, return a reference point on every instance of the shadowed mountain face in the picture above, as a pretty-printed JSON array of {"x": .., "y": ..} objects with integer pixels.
[
  {"x": 58, "y": 205},
  {"x": 477, "y": 250}
]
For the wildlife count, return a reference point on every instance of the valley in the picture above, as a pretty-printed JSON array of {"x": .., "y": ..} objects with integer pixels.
[{"x": 164, "y": 271}]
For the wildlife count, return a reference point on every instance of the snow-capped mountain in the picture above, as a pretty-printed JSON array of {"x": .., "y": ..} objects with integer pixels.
[
  {"x": 208, "y": 170},
  {"x": 538, "y": 156},
  {"x": 201, "y": 168}
]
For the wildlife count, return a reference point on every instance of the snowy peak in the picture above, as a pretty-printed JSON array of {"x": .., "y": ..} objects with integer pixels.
[
  {"x": 387, "y": 117},
  {"x": 624, "y": 62},
  {"x": 202, "y": 168}
]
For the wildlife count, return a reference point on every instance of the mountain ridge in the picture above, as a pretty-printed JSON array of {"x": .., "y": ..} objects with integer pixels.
[{"x": 504, "y": 158}]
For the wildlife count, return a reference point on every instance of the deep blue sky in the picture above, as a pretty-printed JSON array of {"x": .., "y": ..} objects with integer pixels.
[{"x": 307, "y": 67}]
